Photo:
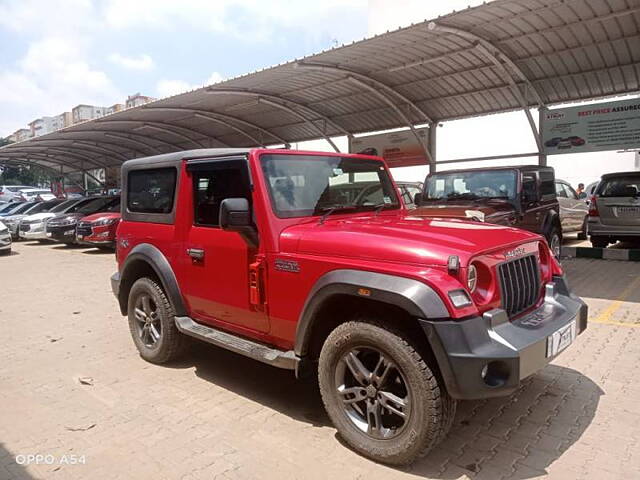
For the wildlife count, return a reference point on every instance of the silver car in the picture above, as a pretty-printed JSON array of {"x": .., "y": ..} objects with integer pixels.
[
  {"x": 5, "y": 240},
  {"x": 573, "y": 210},
  {"x": 614, "y": 213}
]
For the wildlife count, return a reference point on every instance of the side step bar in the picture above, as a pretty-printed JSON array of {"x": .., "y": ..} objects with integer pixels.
[{"x": 278, "y": 358}]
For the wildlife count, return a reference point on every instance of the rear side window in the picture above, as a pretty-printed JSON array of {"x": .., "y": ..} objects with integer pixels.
[{"x": 151, "y": 191}]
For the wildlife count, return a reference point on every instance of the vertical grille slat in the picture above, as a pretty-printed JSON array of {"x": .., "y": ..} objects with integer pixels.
[{"x": 519, "y": 283}]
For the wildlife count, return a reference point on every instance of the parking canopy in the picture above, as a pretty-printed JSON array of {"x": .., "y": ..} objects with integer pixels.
[{"x": 501, "y": 56}]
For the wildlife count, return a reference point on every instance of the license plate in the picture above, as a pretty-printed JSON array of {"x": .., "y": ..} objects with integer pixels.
[
  {"x": 80, "y": 237},
  {"x": 48, "y": 234},
  {"x": 561, "y": 339},
  {"x": 69, "y": 232},
  {"x": 628, "y": 211}
]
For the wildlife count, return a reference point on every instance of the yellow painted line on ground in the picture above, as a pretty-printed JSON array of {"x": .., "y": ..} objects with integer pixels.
[{"x": 607, "y": 313}]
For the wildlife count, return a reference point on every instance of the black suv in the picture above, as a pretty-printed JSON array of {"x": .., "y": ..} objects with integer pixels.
[{"x": 522, "y": 197}]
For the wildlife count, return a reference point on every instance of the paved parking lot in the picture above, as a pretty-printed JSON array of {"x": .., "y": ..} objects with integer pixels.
[{"x": 72, "y": 387}]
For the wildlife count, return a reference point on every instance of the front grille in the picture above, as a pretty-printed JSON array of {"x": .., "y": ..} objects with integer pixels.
[
  {"x": 519, "y": 284},
  {"x": 25, "y": 227},
  {"x": 84, "y": 229}
]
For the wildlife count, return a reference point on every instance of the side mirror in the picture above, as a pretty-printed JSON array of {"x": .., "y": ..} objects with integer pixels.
[
  {"x": 417, "y": 199},
  {"x": 235, "y": 216}
]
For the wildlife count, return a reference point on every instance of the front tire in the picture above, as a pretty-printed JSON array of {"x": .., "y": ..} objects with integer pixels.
[
  {"x": 382, "y": 397},
  {"x": 555, "y": 240},
  {"x": 152, "y": 323}
]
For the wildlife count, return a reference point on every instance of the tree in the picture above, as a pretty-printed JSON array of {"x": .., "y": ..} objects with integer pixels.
[{"x": 26, "y": 175}]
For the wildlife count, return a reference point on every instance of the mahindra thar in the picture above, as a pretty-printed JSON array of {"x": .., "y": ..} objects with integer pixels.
[{"x": 278, "y": 255}]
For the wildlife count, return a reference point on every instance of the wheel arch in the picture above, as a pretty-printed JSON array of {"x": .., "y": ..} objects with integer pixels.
[
  {"x": 147, "y": 260},
  {"x": 341, "y": 294}
]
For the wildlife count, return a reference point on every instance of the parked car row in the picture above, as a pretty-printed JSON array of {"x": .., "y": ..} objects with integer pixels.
[{"x": 87, "y": 220}]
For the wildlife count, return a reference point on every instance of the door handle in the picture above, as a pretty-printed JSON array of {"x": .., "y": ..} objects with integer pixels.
[{"x": 196, "y": 253}]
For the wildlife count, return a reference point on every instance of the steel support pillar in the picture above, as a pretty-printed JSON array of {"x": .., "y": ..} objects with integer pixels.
[
  {"x": 433, "y": 134},
  {"x": 542, "y": 157}
]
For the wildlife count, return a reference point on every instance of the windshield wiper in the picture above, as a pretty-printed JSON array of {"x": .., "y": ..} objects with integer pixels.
[{"x": 329, "y": 210}]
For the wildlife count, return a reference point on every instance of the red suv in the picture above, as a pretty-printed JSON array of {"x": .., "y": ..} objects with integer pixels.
[{"x": 262, "y": 253}]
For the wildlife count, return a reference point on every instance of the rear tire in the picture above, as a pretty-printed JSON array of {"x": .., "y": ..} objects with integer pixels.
[
  {"x": 152, "y": 323},
  {"x": 393, "y": 409},
  {"x": 599, "y": 242}
]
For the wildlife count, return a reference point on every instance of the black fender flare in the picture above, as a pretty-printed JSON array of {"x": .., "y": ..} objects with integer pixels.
[
  {"x": 415, "y": 297},
  {"x": 549, "y": 220},
  {"x": 152, "y": 256}
]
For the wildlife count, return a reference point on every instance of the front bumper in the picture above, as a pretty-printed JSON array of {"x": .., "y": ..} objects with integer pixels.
[
  {"x": 36, "y": 232},
  {"x": 62, "y": 233},
  {"x": 5, "y": 242},
  {"x": 488, "y": 356}
]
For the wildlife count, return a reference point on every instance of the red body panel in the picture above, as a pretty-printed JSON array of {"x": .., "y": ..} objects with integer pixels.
[
  {"x": 219, "y": 290},
  {"x": 101, "y": 234}
]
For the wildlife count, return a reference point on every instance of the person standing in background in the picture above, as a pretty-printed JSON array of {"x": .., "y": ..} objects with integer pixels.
[{"x": 580, "y": 191}]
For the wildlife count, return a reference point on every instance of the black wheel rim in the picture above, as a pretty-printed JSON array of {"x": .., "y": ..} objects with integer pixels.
[
  {"x": 148, "y": 324},
  {"x": 373, "y": 392}
]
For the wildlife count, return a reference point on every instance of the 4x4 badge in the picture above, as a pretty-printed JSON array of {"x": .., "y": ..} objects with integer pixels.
[
  {"x": 287, "y": 265},
  {"x": 516, "y": 252}
]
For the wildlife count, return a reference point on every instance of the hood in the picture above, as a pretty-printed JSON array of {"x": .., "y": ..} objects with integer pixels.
[
  {"x": 38, "y": 216},
  {"x": 404, "y": 238},
  {"x": 13, "y": 218},
  {"x": 470, "y": 210},
  {"x": 66, "y": 217},
  {"x": 100, "y": 216}
]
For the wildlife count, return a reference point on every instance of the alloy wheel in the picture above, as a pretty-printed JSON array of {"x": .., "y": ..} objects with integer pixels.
[
  {"x": 149, "y": 326},
  {"x": 374, "y": 393}
]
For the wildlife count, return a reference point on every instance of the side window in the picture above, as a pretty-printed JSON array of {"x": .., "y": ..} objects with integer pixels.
[
  {"x": 571, "y": 193},
  {"x": 560, "y": 191},
  {"x": 210, "y": 188},
  {"x": 529, "y": 187},
  {"x": 547, "y": 188},
  {"x": 151, "y": 191}
]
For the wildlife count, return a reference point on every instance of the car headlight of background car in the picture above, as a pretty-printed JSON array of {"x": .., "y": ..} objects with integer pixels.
[{"x": 105, "y": 221}]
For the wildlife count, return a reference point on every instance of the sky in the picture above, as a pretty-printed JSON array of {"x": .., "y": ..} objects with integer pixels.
[{"x": 57, "y": 54}]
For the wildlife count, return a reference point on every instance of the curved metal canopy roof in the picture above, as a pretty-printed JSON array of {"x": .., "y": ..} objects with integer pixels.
[{"x": 500, "y": 56}]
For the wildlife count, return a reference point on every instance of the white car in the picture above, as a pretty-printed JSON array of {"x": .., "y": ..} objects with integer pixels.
[
  {"x": 5, "y": 240},
  {"x": 10, "y": 193},
  {"x": 40, "y": 194},
  {"x": 32, "y": 226}
]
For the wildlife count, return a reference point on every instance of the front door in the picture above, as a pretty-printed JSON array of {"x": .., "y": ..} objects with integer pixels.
[{"x": 217, "y": 262}]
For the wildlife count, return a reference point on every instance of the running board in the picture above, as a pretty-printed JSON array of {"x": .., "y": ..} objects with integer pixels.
[{"x": 278, "y": 358}]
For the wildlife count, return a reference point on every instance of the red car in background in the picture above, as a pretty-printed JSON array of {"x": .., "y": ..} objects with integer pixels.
[{"x": 99, "y": 229}]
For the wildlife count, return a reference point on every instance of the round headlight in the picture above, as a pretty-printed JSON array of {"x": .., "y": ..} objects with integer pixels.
[{"x": 472, "y": 278}]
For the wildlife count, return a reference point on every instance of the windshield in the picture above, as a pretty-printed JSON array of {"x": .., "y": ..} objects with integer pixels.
[
  {"x": 473, "y": 185},
  {"x": 21, "y": 208},
  {"x": 305, "y": 185},
  {"x": 97, "y": 205},
  {"x": 623, "y": 186},
  {"x": 7, "y": 207},
  {"x": 61, "y": 206}
]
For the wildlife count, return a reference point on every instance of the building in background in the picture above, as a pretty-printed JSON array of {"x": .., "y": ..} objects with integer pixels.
[
  {"x": 136, "y": 100},
  {"x": 22, "y": 134},
  {"x": 44, "y": 125},
  {"x": 116, "y": 107},
  {"x": 82, "y": 113}
]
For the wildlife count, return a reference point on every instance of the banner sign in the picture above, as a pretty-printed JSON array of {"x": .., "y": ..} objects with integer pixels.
[
  {"x": 592, "y": 128},
  {"x": 399, "y": 149}
]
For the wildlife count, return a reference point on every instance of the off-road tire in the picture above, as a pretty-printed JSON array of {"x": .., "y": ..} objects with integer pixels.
[
  {"x": 432, "y": 409},
  {"x": 555, "y": 235},
  {"x": 599, "y": 242},
  {"x": 171, "y": 344}
]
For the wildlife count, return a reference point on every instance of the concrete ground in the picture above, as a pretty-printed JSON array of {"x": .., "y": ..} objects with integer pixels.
[{"x": 73, "y": 390}]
